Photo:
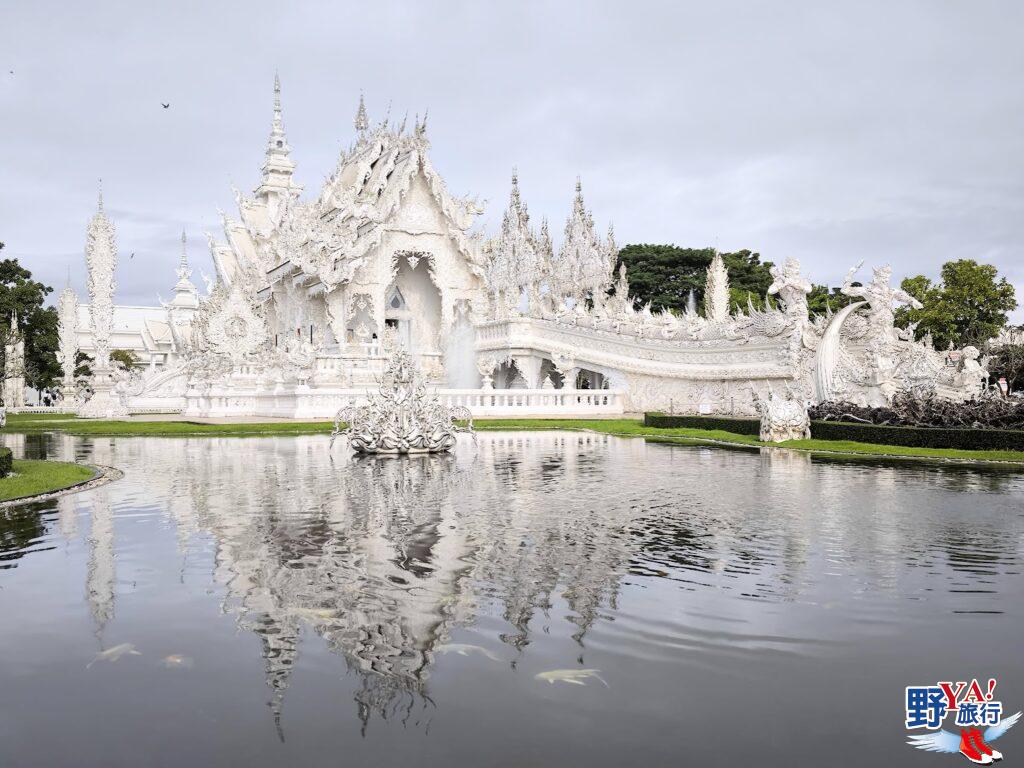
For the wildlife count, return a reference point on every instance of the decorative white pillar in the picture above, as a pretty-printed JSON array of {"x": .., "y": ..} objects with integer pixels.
[
  {"x": 14, "y": 367},
  {"x": 101, "y": 259},
  {"x": 67, "y": 350}
]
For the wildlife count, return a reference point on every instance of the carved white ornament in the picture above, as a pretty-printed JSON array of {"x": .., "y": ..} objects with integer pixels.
[
  {"x": 101, "y": 259},
  {"x": 401, "y": 417},
  {"x": 67, "y": 334},
  {"x": 783, "y": 419}
]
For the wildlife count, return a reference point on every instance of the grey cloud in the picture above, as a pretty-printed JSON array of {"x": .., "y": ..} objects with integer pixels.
[{"x": 831, "y": 132}]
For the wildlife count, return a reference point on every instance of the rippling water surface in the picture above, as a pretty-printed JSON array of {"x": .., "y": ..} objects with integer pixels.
[{"x": 287, "y": 608}]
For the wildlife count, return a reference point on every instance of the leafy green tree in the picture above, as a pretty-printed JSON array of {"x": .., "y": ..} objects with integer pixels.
[
  {"x": 821, "y": 299},
  {"x": 83, "y": 365},
  {"x": 124, "y": 358},
  {"x": 22, "y": 297},
  {"x": 969, "y": 305},
  {"x": 42, "y": 371},
  {"x": 665, "y": 275}
]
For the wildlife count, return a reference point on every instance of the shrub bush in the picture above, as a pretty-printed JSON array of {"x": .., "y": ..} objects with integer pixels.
[
  {"x": 725, "y": 423},
  {"x": 6, "y": 461},
  {"x": 965, "y": 439}
]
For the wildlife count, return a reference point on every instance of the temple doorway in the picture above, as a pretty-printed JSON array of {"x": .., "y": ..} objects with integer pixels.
[{"x": 412, "y": 308}]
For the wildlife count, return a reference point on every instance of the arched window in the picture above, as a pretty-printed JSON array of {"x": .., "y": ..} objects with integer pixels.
[{"x": 396, "y": 301}]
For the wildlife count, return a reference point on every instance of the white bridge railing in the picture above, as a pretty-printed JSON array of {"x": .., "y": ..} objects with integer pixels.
[
  {"x": 535, "y": 402},
  {"x": 301, "y": 402}
]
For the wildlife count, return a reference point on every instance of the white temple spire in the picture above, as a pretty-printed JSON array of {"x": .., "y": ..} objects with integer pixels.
[
  {"x": 515, "y": 261},
  {"x": 186, "y": 295},
  {"x": 183, "y": 270},
  {"x": 583, "y": 264},
  {"x": 278, "y": 166},
  {"x": 362, "y": 122}
]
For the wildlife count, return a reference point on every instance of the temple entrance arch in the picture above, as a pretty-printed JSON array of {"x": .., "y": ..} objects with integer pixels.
[
  {"x": 397, "y": 318},
  {"x": 412, "y": 309}
]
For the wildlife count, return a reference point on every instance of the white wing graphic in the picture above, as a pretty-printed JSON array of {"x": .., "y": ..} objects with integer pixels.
[
  {"x": 939, "y": 741},
  {"x": 994, "y": 732}
]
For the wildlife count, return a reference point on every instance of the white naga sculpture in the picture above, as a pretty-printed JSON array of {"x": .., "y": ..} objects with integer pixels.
[
  {"x": 783, "y": 419},
  {"x": 401, "y": 417}
]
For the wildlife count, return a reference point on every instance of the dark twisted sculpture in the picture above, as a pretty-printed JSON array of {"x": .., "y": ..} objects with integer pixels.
[{"x": 988, "y": 412}]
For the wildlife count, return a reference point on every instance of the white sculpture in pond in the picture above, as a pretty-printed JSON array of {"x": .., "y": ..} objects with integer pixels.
[
  {"x": 401, "y": 417},
  {"x": 783, "y": 419}
]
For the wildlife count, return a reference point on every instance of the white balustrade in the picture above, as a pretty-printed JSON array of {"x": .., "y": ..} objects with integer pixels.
[{"x": 302, "y": 402}]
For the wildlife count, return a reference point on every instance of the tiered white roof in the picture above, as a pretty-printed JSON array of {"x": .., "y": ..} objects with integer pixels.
[{"x": 330, "y": 237}]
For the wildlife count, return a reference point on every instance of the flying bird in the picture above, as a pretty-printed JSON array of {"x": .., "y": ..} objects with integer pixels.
[
  {"x": 165, "y": 106},
  {"x": 132, "y": 255},
  {"x": 950, "y": 743}
]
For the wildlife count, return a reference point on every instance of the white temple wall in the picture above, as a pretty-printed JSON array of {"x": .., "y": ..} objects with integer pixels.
[{"x": 725, "y": 397}]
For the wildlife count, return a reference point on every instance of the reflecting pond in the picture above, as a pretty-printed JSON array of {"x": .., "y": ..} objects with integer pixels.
[{"x": 535, "y": 599}]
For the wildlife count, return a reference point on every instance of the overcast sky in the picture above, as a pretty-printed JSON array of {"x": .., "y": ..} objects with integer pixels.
[{"x": 833, "y": 132}]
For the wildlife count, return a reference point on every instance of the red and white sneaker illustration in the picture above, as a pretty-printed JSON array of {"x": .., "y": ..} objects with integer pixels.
[
  {"x": 970, "y": 751},
  {"x": 982, "y": 747},
  {"x": 972, "y": 743}
]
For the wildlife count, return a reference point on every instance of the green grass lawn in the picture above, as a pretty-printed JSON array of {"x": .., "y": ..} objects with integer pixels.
[
  {"x": 636, "y": 427},
  {"x": 32, "y": 477},
  {"x": 29, "y": 422}
]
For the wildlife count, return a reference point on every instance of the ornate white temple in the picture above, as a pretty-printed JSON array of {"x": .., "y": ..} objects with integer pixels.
[{"x": 309, "y": 293}]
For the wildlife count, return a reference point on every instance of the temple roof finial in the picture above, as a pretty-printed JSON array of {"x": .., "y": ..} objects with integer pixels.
[
  {"x": 278, "y": 167},
  {"x": 277, "y": 139},
  {"x": 361, "y": 121},
  {"x": 100, "y": 196}
]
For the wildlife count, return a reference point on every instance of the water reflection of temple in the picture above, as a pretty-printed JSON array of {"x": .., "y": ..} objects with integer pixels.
[{"x": 383, "y": 559}]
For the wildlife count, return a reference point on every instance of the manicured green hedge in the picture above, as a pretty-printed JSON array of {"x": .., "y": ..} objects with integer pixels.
[
  {"x": 6, "y": 461},
  {"x": 920, "y": 437},
  {"x": 725, "y": 423},
  {"x": 913, "y": 437}
]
